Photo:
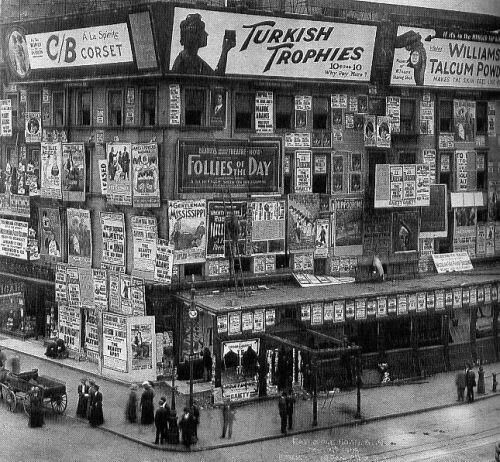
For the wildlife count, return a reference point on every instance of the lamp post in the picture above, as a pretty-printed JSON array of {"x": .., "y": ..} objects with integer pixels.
[
  {"x": 193, "y": 314},
  {"x": 315, "y": 393}
]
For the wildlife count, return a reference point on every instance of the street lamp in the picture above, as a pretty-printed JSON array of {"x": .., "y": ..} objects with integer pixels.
[
  {"x": 193, "y": 314},
  {"x": 315, "y": 393}
]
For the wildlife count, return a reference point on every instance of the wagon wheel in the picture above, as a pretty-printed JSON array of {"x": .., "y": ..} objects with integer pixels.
[
  {"x": 59, "y": 403},
  {"x": 27, "y": 403},
  {"x": 10, "y": 398}
]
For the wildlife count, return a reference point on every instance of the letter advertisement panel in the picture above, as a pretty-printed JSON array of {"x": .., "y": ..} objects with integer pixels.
[
  {"x": 145, "y": 235},
  {"x": 114, "y": 342},
  {"x": 51, "y": 167},
  {"x": 119, "y": 185},
  {"x": 187, "y": 220},
  {"x": 164, "y": 262},
  {"x": 145, "y": 182},
  {"x": 237, "y": 166},
  {"x": 266, "y": 46},
  {"x": 79, "y": 238},
  {"x": 113, "y": 239},
  {"x": 14, "y": 238},
  {"x": 441, "y": 58}
]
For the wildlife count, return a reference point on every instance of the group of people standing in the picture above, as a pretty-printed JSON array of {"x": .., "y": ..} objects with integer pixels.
[
  {"x": 465, "y": 379},
  {"x": 90, "y": 402}
]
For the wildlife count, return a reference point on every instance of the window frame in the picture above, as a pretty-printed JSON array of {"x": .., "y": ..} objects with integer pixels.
[
  {"x": 29, "y": 101},
  {"x": 251, "y": 100},
  {"x": 204, "y": 108},
  {"x": 110, "y": 110},
  {"x": 79, "y": 111},
  {"x": 280, "y": 115},
  {"x": 328, "y": 121},
  {"x": 53, "y": 109},
  {"x": 412, "y": 129},
  {"x": 445, "y": 119},
  {"x": 483, "y": 129},
  {"x": 142, "y": 92}
]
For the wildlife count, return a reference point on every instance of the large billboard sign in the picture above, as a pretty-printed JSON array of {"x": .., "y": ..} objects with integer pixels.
[
  {"x": 426, "y": 57},
  {"x": 237, "y": 166},
  {"x": 268, "y": 46}
]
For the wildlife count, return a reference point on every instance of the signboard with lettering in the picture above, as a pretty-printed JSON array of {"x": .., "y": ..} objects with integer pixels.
[
  {"x": 114, "y": 342},
  {"x": 448, "y": 262}
]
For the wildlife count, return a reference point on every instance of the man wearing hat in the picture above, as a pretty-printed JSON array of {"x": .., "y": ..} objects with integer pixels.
[
  {"x": 83, "y": 396},
  {"x": 161, "y": 423}
]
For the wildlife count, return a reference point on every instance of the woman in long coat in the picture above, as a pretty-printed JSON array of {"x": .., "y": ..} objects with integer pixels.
[
  {"x": 131, "y": 410},
  {"x": 36, "y": 411},
  {"x": 96, "y": 415},
  {"x": 147, "y": 406}
]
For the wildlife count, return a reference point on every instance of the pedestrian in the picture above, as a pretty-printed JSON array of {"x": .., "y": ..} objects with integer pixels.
[
  {"x": 470, "y": 383},
  {"x": 92, "y": 391},
  {"x": 147, "y": 406},
  {"x": 83, "y": 397},
  {"x": 228, "y": 417},
  {"x": 173, "y": 429},
  {"x": 282, "y": 412},
  {"x": 35, "y": 410},
  {"x": 161, "y": 423},
  {"x": 207, "y": 365},
  {"x": 290, "y": 401},
  {"x": 196, "y": 416},
  {"x": 96, "y": 415},
  {"x": 186, "y": 425},
  {"x": 3, "y": 358},
  {"x": 460, "y": 382},
  {"x": 131, "y": 409}
]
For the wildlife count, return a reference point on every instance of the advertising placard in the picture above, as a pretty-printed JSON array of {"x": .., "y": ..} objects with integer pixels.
[
  {"x": 444, "y": 59},
  {"x": 113, "y": 239},
  {"x": 274, "y": 47},
  {"x": 79, "y": 238},
  {"x": 91, "y": 331},
  {"x": 74, "y": 295},
  {"x": 73, "y": 172},
  {"x": 187, "y": 227},
  {"x": 114, "y": 342},
  {"x": 393, "y": 110},
  {"x": 303, "y": 211},
  {"x": 33, "y": 127},
  {"x": 119, "y": 185},
  {"x": 144, "y": 238},
  {"x": 328, "y": 311},
  {"x": 258, "y": 321},
  {"x": 164, "y": 262},
  {"x": 264, "y": 117},
  {"x": 234, "y": 323},
  {"x": 174, "y": 107},
  {"x": 222, "y": 323},
  {"x": 426, "y": 113},
  {"x": 69, "y": 323},
  {"x": 267, "y": 227},
  {"x": 14, "y": 238},
  {"x": 369, "y": 131},
  {"x": 297, "y": 140},
  {"x": 347, "y": 226},
  {"x": 51, "y": 167},
  {"x": 100, "y": 279},
  {"x": 237, "y": 166},
  {"x": 383, "y": 131},
  {"x": 61, "y": 291},
  {"x": 303, "y": 171},
  {"x": 430, "y": 301},
  {"x": 322, "y": 242},
  {"x": 405, "y": 231},
  {"x": 145, "y": 175},
  {"x": 50, "y": 233},
  {"x": 247, "y": 321},
  {"x": 142, "y": 340},
  {"x": 5, "y": 117},
  {"x": 464, "y": 119},
  {"x": 381, "y": 307},
  {"x": 218, "y": 108},
  {"x": 340, "y": 313},
  {"x": 448, "y": 262}
]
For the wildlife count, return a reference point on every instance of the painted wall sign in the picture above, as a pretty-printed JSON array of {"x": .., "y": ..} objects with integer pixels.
[
  {"x": 423, "y": 57},
  {"x": 271, "y": 46},
  {"x": 240, "y": 166}
]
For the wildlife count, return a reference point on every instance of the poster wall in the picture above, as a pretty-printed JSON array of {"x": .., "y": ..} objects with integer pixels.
[
  {"x": 51, "y": 170},
  {"x": 79, "y": 238},
  {"x": 119, "y": 186},
  {"x": 73, "y": 172},
  {"x": 13, "y": 238},
  {"x": 114, "y": 342},
  {"x": 50, "y": 233},
  {"x": 187, "y": 221},
  {"x": 142, "y": 340},
  {"x": 113, "y": 240},
  {"x": 347, "y": 226},
  {"x": 444, "y": 59},
  {"x": 144, "y": 237},
  {"x": 145, "y": 175}
]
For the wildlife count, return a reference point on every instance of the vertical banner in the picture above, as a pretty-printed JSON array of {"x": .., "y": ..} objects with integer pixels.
[
  {"x": 51, "y": 167},
  {"x": 303, "y": 172},
  {"x": 142, "y": 341},
  {"x": 114, "y": 342},
  {"x": 144, "y": 237},
  {"x": 491, "y": 118},
  {"x": 79, "y": 238},
  {"x": 264, "y": 117},
  {"x": 113, "y": 240},
  {"x": 50, "y": 233},
  {"x": 187, "y": 227},
  {"x": 70, "y": 326},
  {"x": 119, "y": 188},
  {"x": 145, "y": 181},
  {"x": 33, "y": 127},
  {"x": 383, "y": 132},
  {"x": 461, "y": 169},
  {"x": 464, "y": 119},
  {"x": 125, "y": 284},
  {"x": 74, "y": 296},
  {"x": 429, "y": 158},
  {"x": 369, "y": 136},
  {"x": 164, "y": 262},
  {"x": 99, "y": 278},
  {"x": 5, "y": 117},
  {"x": 73, "y": 172},
  {"x": 103, "y": 175},
  {"x": 61, "y": 283},
  {"x": 138, "y": 297},
  {"x": 174, "y": 107}
]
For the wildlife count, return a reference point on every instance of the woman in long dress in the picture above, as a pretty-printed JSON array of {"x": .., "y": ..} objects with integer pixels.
[
  {"x": 83, "y": 396},
  {"x": 131, "y": 410},
  {"x": 96, "y": 415},
  {"x": 36, "y": 412},
  {"x": 147, "y": 406}
]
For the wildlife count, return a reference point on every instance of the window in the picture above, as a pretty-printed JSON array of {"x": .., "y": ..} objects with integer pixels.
[
  {"x": 115, "y": 108},
  {"x": 58, "y": 108},
  {"x": 407, "y": 116},
  {"x": 320, "y": 176},
  {"x": 195, "y": 107},
  {"x": 285, "y": 106},
  {"x": 321, "y": 113},
  {"x": 445, "y": 116},
  {"x": 244, "y": 107},
  {"x": 376, "y": 106},
  {"x": 407, "y": 157},
  {"x": 15, "y": 106},
  {"x": 148, "y": 107},
  {"x": 83, "y": 101},
  {"x": 481, "y": 163},
  {"x": 482, "y": 117},
  {"x": 33, "y": 103},
  {"x": 347, "y": 173}
]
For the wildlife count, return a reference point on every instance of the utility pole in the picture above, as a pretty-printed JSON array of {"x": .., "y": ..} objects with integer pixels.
[
  {"x": 193, "y": 314},
  {"x": 315, "y": 392}
]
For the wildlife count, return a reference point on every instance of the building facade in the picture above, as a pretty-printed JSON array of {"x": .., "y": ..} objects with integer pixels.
[{"x": 149, "y": 148}]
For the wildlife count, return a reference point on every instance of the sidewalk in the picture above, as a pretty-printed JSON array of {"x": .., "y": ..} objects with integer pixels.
[{"x": 256, "y": 421}]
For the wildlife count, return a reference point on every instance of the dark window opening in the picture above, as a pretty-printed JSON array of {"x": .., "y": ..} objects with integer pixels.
[
  {"x": 195, "y": 269},
  {"x": 445, "y": 116},
  {"x": 246, "y": 264},
  {"x": 115, "y": 105},
  {"x": 284, "y": 112},
  {"x": 319, "y": 183},
  {"x": 407, "y": 157},
  {"x": 15, "y": 106},
  {"x": 148, "y": 107},
  {"x": 397, "y": 334},
  {"x": 321, "y": 113},
  {"x": 482, "y": 117},
  {"x": 194, "y": 113},
  {"x": 287, "y": 184},
  {"x": 58, "y": 108},
  {"x": 244, "y": 111},
  {"x": 282, "y": 261},
  {"x": 407, "y": 116},
  {"x": 482, "y": 214},
  {"x": 33, "y": 102},
  {"x": 320, "y": 266},
  {"x": 376, "y": 106},
  {"x": 84, "y": 108}
]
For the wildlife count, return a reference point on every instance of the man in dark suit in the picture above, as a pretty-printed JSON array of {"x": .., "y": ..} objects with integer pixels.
[
  {"x": 161, "y": 423},
  {"x": 290, "y": 401},
  {"x": 471, "y": 383},
  {"x": 282, "y": 408}
]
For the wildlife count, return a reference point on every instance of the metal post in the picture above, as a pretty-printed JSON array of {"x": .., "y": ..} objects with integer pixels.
[
  {"x": 191, "y": 353},
  {"x": 315, "y": 395},
  {"x": 358, "y": 388},
  {"x": 174, "y": 371}
]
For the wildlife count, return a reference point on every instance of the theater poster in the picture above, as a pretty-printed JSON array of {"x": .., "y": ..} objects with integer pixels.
[
  {"x": 303, "y": 211},
  {"x": 14, "y": 238},
  {"x": 79, "y": 238},
  {"x": 73, "y": 172},
  {"x": 114, "y": 342},
  {"x": 50, "y": 233},
  {"x": 347, "y": 226},
  {"x": 404, "y": 232},
  {"x": 187, "y": 221},
  {"x": 144, "y": 237},
  {"x": 119, "y": 187},
  {"x": 51, "y": 174},
  {"x": 142, "y": 342},
  {"x": 113, "y": 240},
  {"x": 145, "y": 181},
  {"x": 164, "y": 262}
]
